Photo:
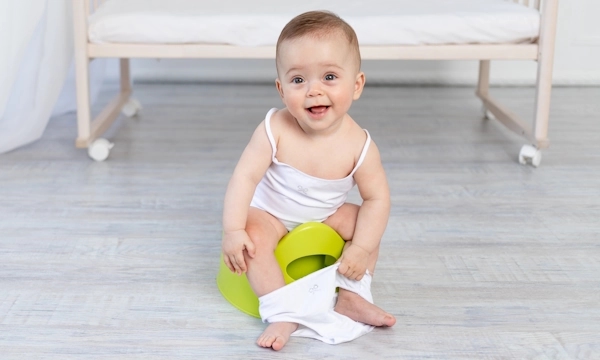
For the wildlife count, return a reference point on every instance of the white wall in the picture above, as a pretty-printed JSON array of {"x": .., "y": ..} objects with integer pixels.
[{"x": 577, "y": 61}]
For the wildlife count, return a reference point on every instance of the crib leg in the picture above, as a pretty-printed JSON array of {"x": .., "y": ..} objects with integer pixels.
[
  {"x": 83, "y": 105},
  {"x": 492, "y": 109},
  {"x": 484, "y": 77},
  {"x": 82, "y": 77},
  {"x": 99, "y": 148},
  {"x": 542, "y": 105},
  {"x": 544, "y": 73},
  {"x": 121, "y": 102},
  {"x": 89, "y": 132},
  {"x": 131, "y": 106},
  {"x": 125, "y": 75},
  {"x": 483, "y": 86}
]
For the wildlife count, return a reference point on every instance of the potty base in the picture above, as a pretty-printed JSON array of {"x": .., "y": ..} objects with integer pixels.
[
  {"x": 236, "y": 289},
  {"x": 304, "y": 250}
]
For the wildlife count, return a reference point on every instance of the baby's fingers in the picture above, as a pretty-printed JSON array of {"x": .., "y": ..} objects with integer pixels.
[
  {"x": 343, "y": 268},
  {"x": 350, "y": 272},
  {"x": 241, "y": 263},
  {"x": 250, "y": 248},
  {"x": 352, "y": 275},
  {"x": 347, "y": 271},
  {"x": 236, "y": 266},
  {"x": 355, "y": 275},
  {"x": 228, "y": 263}
]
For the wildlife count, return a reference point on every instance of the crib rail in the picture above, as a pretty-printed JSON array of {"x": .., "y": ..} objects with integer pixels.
[{"x": 94, "y": 4}]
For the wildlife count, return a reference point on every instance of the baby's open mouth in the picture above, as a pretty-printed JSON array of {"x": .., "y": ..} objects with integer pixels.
[{"x": 318, "y": 109}]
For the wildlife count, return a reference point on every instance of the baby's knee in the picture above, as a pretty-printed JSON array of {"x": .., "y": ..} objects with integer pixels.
[
  {"x": 262, "y": 240},
  {"x": 344, "y": 220}
]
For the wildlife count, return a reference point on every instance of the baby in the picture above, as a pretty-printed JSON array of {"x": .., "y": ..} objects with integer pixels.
[{"x": 300, "y": 164}]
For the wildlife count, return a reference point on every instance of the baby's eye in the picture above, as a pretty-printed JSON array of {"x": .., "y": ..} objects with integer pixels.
[
  {"x": 297, "y": 80},
  {"x": 330, "y": 77}
]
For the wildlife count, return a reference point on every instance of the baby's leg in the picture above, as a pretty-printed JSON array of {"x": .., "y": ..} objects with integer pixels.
[
  {"x": 350, "y": 303},
  {"x": 264, "y": 273}
]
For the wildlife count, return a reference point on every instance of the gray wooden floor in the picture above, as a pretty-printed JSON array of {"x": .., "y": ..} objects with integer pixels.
[{"x": 483, "y": 258}]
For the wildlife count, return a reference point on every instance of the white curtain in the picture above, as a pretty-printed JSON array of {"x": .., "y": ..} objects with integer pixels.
[{"x": 36, "y": 52}]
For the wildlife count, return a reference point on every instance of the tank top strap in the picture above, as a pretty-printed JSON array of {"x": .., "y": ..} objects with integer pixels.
[
  {"x": 363, "y": 153},
  {"x": 269, "y": 132}
]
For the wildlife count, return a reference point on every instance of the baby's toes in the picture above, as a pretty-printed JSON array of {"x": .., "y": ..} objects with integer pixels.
[
  {"x": 278, "y": 343},
  {"x": 265, "y": 340}
]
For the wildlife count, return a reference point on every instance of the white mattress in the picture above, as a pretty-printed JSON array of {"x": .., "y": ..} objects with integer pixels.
[{"x": 259, "y": 22}]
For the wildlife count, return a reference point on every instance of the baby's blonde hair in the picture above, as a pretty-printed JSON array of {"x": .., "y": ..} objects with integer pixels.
[{"x": 318, "y": 24}]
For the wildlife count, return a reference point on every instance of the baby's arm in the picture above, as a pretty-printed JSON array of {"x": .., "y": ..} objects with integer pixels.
[
  {"x": 251, "y": 167},
  {"x": 372, "y": 216}
]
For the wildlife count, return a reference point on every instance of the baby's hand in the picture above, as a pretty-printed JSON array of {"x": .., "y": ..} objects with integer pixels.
[
  {"x": 353, "y": 262},
  {"x": 234, "y": 243}
]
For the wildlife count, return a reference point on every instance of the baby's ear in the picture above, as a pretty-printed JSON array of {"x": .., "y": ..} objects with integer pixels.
[
  {"x": 279, "y": 87},
  {"x": 359, "y": 85}
]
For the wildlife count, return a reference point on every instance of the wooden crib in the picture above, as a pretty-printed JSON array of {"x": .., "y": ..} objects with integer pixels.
[{"x": 540, "y": 50}]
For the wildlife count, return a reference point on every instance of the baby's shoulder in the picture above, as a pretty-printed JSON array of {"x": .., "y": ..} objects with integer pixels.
[
  {"x": 280, "y": 121},
  {"x": 356, "y": 134},
  {"x": 281, "y": 116}
]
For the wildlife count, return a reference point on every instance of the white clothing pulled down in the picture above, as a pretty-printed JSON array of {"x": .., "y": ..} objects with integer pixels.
[{"x": 310, "y": 302}]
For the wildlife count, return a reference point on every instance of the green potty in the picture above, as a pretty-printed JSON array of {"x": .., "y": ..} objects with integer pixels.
[{"x": 304, "y": 250}]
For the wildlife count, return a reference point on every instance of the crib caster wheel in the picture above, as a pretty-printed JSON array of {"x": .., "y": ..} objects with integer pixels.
[
  {"x": 530, "y": 154},
  {"x": 487, "y": 115},
  {"x": 100, "y": 149},
  {"x": 131, "y": 107}
]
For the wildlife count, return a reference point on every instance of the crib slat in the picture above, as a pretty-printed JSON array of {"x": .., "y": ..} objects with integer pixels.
[{"x": 529, "y": 3}]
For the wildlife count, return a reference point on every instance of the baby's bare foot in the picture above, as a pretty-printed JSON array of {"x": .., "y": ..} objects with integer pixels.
[
  {"x": 358, "y": 309},
  {"x": 276, "y": 335}
]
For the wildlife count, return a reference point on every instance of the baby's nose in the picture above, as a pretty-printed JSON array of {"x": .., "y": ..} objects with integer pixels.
[{"x": 314, "y": 89}]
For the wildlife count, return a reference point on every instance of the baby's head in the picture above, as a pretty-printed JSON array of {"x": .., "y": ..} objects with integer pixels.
[
  {"x": 318, "y": 25},
  {"x": 318, "y": 69}
]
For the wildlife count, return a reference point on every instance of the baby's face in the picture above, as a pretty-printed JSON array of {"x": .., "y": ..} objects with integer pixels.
[{"x": 318, "y": 79}]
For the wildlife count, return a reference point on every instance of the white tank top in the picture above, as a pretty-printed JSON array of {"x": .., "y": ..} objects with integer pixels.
[{"x": 295, "y": 197}]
